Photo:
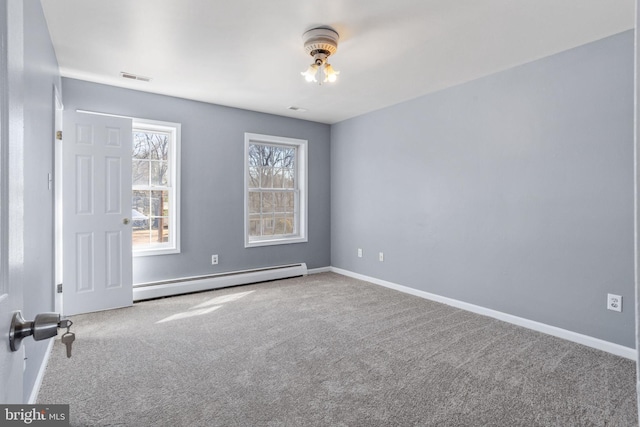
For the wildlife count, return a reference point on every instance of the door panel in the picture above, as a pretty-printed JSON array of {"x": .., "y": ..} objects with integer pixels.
[
  {"x": 11, "y": 196},
  {"x": 97, "y": 264}
]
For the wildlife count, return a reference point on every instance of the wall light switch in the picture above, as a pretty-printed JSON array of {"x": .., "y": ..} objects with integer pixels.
[{"x": 359, "y": 252}]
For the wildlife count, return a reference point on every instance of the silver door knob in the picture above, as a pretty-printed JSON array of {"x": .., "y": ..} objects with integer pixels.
[
  {"x": 125, "y": 221},
  {"x": 45, "y": 325}
]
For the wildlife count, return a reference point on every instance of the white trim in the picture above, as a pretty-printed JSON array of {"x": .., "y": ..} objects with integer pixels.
[
  {"x": 33, "y": 396},
  {"x": 301, "y": 186},
  {"x": 196, "y": 284},
  {"x": 57, "y": 195},
  {"x": 596, "y": 343},
  {"x": 319, "y": 270},
  {"x": 98, "y": 113}
]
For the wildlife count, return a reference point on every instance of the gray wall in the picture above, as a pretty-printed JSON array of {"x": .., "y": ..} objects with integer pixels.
[
  {"x": 40, "y": 76},
  {"x": 512, "y": 192},
  {"x": 213, "y": 178}
]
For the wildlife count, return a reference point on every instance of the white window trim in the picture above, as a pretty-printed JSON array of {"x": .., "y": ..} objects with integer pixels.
[
  {"x": 175, "y": 129},
  {"x": 301, "y": 179}
]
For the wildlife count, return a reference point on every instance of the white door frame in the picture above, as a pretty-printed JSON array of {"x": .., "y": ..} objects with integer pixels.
[{"x": 57, "y": 216}]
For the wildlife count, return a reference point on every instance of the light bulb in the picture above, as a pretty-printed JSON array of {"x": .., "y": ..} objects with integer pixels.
[
  {"x": 331, "y": 75},
  {"x": 310, "y": 74}
]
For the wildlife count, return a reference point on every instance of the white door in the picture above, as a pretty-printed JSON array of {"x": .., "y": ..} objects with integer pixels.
[
  {"x": 11, "y": 196},
  {"x": 96, "y": 213}
]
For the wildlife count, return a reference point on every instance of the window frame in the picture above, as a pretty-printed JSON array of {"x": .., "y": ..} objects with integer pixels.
[
  {"x": 175, "y": 130},
  {"x": 300, "y": 187}
]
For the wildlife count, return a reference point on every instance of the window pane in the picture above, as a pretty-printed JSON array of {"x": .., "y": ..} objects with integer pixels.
[
  {"x": 267, "y": 202},
  {"x": 254, "y": 202},
  {"x": 254, "y": 225},
  {"x": 159, "y": 173},
  {"x": 266, "y": 180},
  {"x": 277, "y": 177},
  {"x": 266, "y": 155},
  {"x": 141, "y": 236},
  {"x": 292, "y": 202},
  {"x": 278, "y": 156},
  {"x": 289, "y": 223},
  {"x": 140, "y": 220},
  {"x": 150, "y": 218},
  {"x": 254, "y": 156},
  {"x": 267, "y": 226},
  {"x": 159, "y": 145},
  {"x": 160, "y": 230},
  {"x": 254, "y": 177},
  {"x": 160, "y": 203},
  {"x": 151, "y": 145},
  {"x": 140, "y": 145},
  {"x": 291, "y": 157},
  {"x": 281, "y": 201},
  {"x": 280, "y": 226},
  {"x": 140, "y": 172},
  {"x": 140, "y": 202},
  {"x": 288, "y": 178}
]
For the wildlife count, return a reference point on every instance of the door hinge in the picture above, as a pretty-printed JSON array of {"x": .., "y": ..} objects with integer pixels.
[
  {"x": 59, "y": 288},
  {"x": 59, "y": 135}
]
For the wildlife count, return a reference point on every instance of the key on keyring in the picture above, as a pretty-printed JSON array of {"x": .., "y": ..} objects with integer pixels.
[{"x": 67, "y": 339}]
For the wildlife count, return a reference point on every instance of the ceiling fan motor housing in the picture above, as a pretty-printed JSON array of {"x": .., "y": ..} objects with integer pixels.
[{"x": 320, "y": 43}]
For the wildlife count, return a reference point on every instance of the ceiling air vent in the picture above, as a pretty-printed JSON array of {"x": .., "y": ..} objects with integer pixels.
[{"x": 131, "y": 76}]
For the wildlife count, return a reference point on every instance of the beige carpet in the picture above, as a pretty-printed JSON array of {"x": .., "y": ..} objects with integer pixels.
[{"x": 327, "y": 350}]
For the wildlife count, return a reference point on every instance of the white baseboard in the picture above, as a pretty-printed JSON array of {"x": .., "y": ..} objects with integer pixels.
[
  {"x": 319, "y": 270},
  {"x": 617, "y": 349},
  {"x": 33, "y": 396},
  {"x": 224, "y": 280}
]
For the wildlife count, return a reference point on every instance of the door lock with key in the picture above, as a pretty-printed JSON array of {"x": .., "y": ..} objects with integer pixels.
[{"x": 44, "y": 326}]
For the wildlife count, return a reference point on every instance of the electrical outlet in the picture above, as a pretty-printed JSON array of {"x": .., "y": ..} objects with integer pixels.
[
  {"x": 381, "y": 256},
  {"x": 614, "y": 302},
  {"x": 214, "y": 259},
  {"x": 359, "y": 252}
]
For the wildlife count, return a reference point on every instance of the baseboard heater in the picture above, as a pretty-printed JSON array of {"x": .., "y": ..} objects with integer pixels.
[{"x": 144, "y": 291}]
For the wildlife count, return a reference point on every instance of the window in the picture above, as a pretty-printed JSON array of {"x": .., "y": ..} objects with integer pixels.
[
  {"x": 275, "y": 190},
  {"x": 155, "y": 184}
]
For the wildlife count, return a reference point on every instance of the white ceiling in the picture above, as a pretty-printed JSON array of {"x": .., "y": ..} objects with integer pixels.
[{"x": 249, "y": 54}]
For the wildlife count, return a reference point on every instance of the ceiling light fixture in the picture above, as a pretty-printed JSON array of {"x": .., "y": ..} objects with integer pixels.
[{"x": 320, "y": 43}]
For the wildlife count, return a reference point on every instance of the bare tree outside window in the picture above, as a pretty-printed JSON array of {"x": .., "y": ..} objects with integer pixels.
[
  {"x": 272, "y": 190},
  {"x": 151, "y": 187}
]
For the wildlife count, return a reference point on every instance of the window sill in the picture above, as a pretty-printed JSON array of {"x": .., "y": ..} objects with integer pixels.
[
  {"x": 152, "y": 252},
  {"x": 273, "y": 242}
]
